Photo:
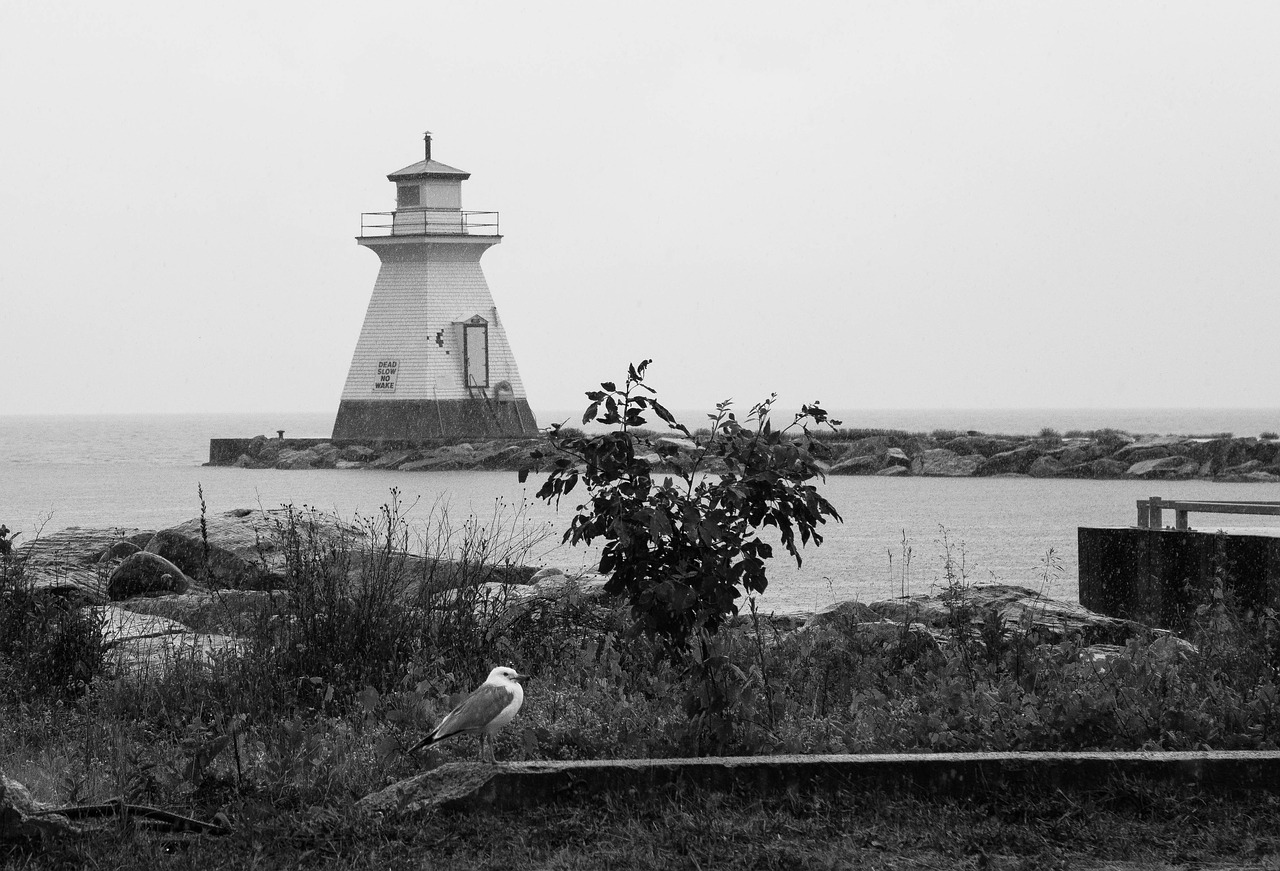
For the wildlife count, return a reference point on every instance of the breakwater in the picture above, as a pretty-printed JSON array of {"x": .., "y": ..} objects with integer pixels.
[{"x": 1104, "y": 454}]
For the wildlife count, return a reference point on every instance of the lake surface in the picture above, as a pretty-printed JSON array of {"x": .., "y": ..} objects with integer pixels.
[{"x": 144, "y": 470}]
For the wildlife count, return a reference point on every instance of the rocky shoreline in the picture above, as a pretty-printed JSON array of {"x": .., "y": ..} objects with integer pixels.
[
  {"x": 1100, "y": 454},
  {"x": 141, "y": 585}
]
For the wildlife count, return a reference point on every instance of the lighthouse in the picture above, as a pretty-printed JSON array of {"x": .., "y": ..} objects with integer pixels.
[{"x": 432, "y": 360}]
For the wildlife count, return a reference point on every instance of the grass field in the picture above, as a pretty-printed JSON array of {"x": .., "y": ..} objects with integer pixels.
[{"x": 1129, "y": 825}]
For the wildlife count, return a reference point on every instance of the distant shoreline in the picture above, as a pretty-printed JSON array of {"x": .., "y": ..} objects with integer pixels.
[{"x": 1097, "y": 454}]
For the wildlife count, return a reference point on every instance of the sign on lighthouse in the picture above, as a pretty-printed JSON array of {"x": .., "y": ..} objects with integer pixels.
[{"x": 432, "y": 360}]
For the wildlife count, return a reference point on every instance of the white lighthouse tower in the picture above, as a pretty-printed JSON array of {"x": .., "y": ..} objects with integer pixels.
[{"x": 432, "y": 360}]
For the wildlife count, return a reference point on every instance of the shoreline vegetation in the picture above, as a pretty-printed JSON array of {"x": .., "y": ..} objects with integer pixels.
[
  {"x": 1093, "y": 454},
  {"x": 253, "y": 675},
  {"x": 263, "y": 671}
]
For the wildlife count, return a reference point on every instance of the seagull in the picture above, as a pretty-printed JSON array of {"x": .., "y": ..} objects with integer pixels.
[{"x": 493, "y": 705}]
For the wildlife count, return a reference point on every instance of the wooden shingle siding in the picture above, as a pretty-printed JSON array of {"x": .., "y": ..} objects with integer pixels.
[{"x": 411, "y": 319}]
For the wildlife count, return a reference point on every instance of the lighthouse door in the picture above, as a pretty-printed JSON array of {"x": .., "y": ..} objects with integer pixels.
[{"x": 475, "y": 352}]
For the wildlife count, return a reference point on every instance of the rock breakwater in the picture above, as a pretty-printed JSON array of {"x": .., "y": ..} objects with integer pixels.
[
  {"x": 1099, "y": 454},
  {"x": 1104, "y": 454}
]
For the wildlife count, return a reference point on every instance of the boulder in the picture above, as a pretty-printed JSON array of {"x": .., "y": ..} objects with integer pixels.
[
  {"x": 1266, "y": 451},
  {"x": 1016, "y": 608},
  {"x": 914, "y": 639},
  {"x": 146, "y": 645},
  {"x": 556, "y": 597},
  {"x": 838, "y": 613},
  {"x": 212, "y": 565},
  {"x": 224, "y": 612},
  {"x": 1046, "y": 467},
  {"x": 1017, "y": 461},
  {"x": 1219, "y": 454},
  {"x": 24, "y": 819},
  {"x": 862, "y": 465},
  {"x": 119, "y": 551},
  {"x": 888, "y": 471},
  {"x": 393, "y": 459},
  {"x": 1243, "y": 468},
  {"x": 554, "y": 585},
  {"x": 1151, "y": 449},
  {"x": 327, "y": 451},
  {"x": 941, "y": 462},
  {"x": 306, "y": 458},
  {"x": 75, "y": 562},
  {"x": 357, "y": 453},
  {"x": 1077, "y": 454},
  {"x": 145, "y": 574},
  {"x": 1107, "y": 468},
  {"x": 896, "y": 457},
  {"x": 254, "y": 536},
  {"x": 679, "y": 442},
  {"x": 264, "y": 450},
  {"x": 1168, "y": 649},
  {"x": 1165, "y": 467},
  {"x": 507, "y": 457}
]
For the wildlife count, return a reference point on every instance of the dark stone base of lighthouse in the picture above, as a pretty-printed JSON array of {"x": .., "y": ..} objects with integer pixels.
[{"x": 420, "y": 419}]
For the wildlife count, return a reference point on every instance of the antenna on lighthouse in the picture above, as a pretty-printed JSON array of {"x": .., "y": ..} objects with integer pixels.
[{"x": 426, "y": 137}]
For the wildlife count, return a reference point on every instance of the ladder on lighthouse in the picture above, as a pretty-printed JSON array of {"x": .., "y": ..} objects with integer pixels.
[{"x": 486, "y": 406}]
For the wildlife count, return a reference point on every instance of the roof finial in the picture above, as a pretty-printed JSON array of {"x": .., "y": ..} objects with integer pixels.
[{"x": 427, "y": 138}]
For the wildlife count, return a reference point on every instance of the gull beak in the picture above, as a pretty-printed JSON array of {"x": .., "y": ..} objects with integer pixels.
[{"x": 521, "y": 678}]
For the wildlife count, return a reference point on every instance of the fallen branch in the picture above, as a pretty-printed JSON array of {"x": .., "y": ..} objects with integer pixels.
[{"x": 117, "y": 807}]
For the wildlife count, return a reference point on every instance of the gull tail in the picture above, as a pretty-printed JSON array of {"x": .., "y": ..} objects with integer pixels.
[{"x": 425, "y": 742}]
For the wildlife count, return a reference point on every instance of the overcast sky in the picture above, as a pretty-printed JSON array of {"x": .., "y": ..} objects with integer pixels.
[{"x": 873, "y": 204}]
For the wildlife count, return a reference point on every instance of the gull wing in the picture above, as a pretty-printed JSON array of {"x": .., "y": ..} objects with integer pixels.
[{"x": 476, "y": 711}]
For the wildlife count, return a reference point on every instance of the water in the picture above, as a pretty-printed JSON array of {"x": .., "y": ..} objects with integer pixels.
[{"x": 143, "y": 470}]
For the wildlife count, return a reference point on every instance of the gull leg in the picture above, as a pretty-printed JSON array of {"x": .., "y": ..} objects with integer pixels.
[{"x": 482, "y": 746}]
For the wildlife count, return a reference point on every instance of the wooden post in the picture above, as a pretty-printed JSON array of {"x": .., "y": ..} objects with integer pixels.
[
  {"x": 1144, "y": 515},
  {"x": 1180, "y": 519},
  {"x": 1154, "y": 518}
]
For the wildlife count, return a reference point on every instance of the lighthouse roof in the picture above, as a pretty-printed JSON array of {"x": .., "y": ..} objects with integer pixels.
[{"x": 428, "y": 169}]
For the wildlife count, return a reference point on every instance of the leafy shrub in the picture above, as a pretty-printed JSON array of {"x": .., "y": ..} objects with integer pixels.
[{"x": 684, "y": 554}]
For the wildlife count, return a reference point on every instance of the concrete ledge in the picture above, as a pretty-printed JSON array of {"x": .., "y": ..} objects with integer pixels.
[{"x": 460, "y": 785}]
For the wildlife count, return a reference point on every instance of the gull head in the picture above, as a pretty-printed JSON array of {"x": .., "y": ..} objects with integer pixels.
[{"x": 504, "y": 676}]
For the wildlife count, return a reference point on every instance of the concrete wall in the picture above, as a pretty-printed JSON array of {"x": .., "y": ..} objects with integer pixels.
[
  {"x": 425, "y": 419},
  {"x": 1160, "y": 576}
]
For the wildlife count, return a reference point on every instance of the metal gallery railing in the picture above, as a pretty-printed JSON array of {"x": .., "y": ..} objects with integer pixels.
[
  {"x": 1151, "y": 511},
  {"x": 424, "y": 222}
]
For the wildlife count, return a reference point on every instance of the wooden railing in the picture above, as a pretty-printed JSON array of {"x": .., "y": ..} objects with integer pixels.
[{"x": 1150, "y": 511}]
